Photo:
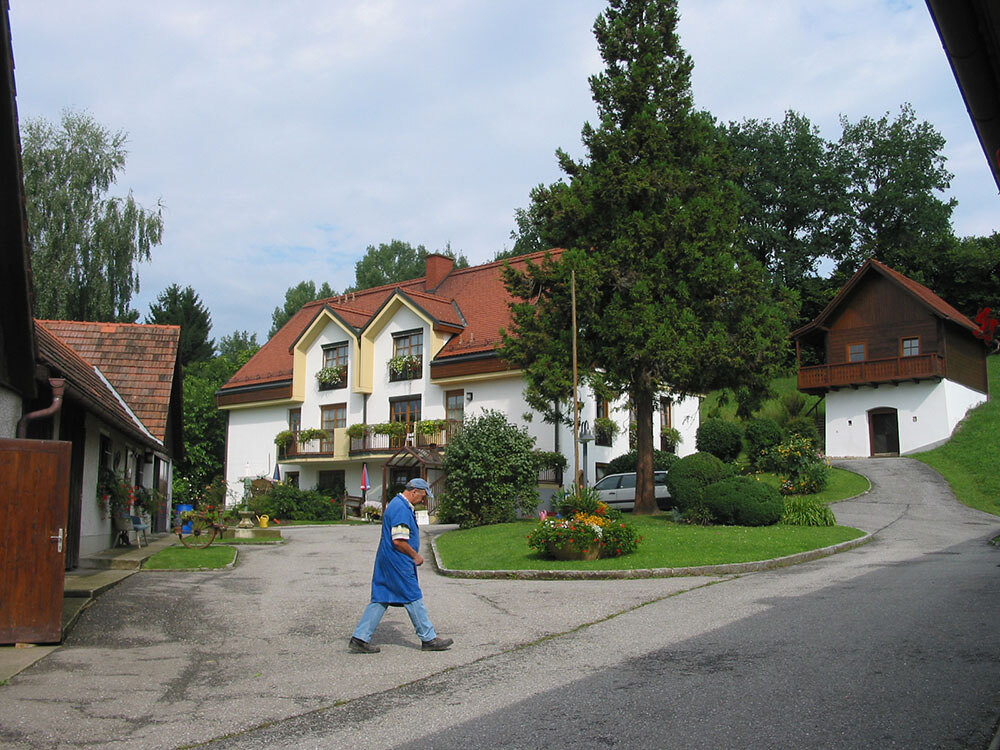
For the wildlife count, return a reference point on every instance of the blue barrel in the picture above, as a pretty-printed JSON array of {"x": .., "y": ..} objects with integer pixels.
[{"x": 181, "y": 509}]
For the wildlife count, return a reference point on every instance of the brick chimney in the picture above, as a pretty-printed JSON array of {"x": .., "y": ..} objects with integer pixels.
[{"x": 438, "y": 268}]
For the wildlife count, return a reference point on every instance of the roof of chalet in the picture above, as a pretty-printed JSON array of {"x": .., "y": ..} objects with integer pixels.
[
  {"x": 89, "y": 385},
  {"x": 471, "y": 303},
  {"x": 139, "y": 361},
  {"x": 930, "y": 300}
]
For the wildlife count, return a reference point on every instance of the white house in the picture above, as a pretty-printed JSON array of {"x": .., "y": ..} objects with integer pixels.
[
  {"x": 420, "y": 353},
  {"x": 901, "y": 367}
]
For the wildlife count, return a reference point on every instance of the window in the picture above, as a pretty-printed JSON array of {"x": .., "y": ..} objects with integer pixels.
[
  {"x": 405, "y": 409},
  {"x": 295, "y": 419},
  {"x": 602, "y": 434},
  {"x": 855, "y": 352},
  {"x": 911, "y": 347},
  {"x": 454, "y": 406},
  {"x": 335, "y": 358},
  {"x": 292, "y": 478},
  {"x": 331, "y": 418},
  {"x": 331, "y": 481},
  {"x": 666, "y": 423},
  {"x": 407, "y": 361}
]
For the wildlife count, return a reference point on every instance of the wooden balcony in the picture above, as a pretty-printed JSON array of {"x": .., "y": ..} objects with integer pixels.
[
  {"x": 870, "y": 372},
  {"x": 371, "y": 443},
  {"x": 334, "y": 445}
]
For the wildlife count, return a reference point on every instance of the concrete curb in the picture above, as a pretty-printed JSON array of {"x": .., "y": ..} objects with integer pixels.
[{"x": 703, "y": 570}]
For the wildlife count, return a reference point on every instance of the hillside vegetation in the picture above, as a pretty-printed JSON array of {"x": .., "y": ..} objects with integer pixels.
[{"x": 970, "y": 461}]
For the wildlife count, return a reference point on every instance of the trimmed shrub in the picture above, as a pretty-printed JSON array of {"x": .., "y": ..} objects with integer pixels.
[
  {"x": 662, "y": 461},
  {"x": 721, "y": 438},
  {"x": 290, "y": 503},
  {"x": 761, "y": 433},
  {"x": 692, "y": 474},
  {"x": 801, "y": 468},
  {"x": 805, "y": 511},
  {"x": 804, "y": 427},
  {"x": 742, "y": 501}
]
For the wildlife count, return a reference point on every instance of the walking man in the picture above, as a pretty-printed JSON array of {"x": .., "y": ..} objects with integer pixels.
[{"x": 394, "y": 580}]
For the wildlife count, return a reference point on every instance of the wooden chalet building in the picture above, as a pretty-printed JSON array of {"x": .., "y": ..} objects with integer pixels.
[{"x": 900, "y": 366}]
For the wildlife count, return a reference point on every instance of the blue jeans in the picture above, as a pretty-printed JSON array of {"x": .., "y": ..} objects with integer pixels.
[{"x": 372, "y": 616}]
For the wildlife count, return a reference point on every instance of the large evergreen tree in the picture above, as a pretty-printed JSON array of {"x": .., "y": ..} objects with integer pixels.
[
  {"x": 183, "y": 307},
  {"x": 85, "y": 244},
  {"x": 666, "y": 294}
]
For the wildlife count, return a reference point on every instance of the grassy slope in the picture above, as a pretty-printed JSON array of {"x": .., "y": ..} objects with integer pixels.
[{"x": 971, "y": 459}]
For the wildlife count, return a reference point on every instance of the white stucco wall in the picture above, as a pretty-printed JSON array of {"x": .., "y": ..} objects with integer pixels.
[
  {"x": 927, "y": 413},
  {"x": 250, "y": 448},
  {"x": 10, "y": 413}
]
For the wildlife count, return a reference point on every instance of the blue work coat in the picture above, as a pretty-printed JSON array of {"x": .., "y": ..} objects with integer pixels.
[{"x": 394, "y": 580}]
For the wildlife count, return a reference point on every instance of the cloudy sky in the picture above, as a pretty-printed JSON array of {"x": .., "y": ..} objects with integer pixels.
[{"x": 284, "y": 138}]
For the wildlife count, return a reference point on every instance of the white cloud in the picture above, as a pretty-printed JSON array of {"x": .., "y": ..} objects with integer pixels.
[{"x": 283, "y": 138}]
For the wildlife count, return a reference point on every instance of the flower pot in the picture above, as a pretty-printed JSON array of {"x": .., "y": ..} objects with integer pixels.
[{"x": 571, "y": 553}]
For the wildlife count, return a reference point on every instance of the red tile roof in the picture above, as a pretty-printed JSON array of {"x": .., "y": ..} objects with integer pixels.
[
  {"x": 85, "y": 383},
  {"x": 471, "y": 301},
  {"x": 139, "y": 361},
  {"x": 922, "y": 293}
]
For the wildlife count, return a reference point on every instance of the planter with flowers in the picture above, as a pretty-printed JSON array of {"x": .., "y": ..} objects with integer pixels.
[
  {"x": 405, "y": 366},
  {"x": 332, "y": 377},
  {"x": 583, "y": 528}
]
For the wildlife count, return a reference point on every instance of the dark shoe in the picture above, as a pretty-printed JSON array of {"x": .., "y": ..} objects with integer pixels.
[
  {"x": 438, "y": 644},
  {"x": 359, "y": 646}
]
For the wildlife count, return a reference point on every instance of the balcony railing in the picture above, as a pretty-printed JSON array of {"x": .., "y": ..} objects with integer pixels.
[
  {"x": 321, "y": 447},
  {"x": 372, "y": 443},
  {"x": 871, "y": 372}
]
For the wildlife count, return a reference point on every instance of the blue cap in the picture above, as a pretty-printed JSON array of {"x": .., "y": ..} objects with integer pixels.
[{"x": 420, "y": 484}]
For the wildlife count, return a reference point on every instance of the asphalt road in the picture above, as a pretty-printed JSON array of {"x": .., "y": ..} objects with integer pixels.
[{"x": 892, "y": 644}]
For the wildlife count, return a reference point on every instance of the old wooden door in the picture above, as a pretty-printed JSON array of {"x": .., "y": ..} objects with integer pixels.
[
  {"x": 883, "y": 429},
  {"x": 34, "y": 494}
]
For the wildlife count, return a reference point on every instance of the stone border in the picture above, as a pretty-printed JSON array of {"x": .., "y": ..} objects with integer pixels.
[{"x": 703, "y": 570}]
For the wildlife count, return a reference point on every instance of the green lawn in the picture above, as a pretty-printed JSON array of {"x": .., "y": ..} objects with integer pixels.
[
  {"x": 179, "y": 557},
  {"x": 842, "y": 485},
  {"x": 970, "y": 459},
  {"x": 665, "y": 544}
]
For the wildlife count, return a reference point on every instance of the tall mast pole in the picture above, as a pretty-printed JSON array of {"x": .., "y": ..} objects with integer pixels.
[{"x": 576, "y": 401}]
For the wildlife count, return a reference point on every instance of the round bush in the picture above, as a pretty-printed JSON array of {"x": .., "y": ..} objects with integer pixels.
[
  {"x": 720, "y": 438},
  {"x": 761, "y": 433},
  {"x": 804, "y": 427},
  {"x": 662, "y": 461},
  {"x": 743, "y": 501},
  {"x": 693, "y": 473}
]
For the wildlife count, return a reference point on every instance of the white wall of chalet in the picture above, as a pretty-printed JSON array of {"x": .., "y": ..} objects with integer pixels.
[{"x": 927, "y": 413}]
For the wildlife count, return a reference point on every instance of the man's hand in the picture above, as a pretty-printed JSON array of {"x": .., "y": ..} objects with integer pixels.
[{"x": 404, "y": 546}]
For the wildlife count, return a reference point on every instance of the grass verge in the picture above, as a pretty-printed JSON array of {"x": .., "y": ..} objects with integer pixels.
[
  {"x": 968, "y": 461},
  {"x": 843, "y": 484},
  {"x": 179, "y": 557},
  {"x": 665, "y": 544}
]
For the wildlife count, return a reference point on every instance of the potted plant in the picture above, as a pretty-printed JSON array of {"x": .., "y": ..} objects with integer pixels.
[
  {"x": 671, "y": 438},
  {"x": 357, "y": 430},
  {"x": 605, "y": 430},
  {"x": 284, "y": 439},
  {"x": 405, "y": 365},
  {"x": 331, "y": 377},
  {"x": 430, "y": 426},
  {"x": 307, "y": 436},
  {"x": 392, "y": 429}
]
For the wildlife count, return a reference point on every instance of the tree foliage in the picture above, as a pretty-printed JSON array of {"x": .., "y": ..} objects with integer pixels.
[
  {"x": 895, "y": 169},
  {"x": 666, "y": 295},
  {"x": 394, "y": 262},
  {"x": 295, "y": 297},
  {"x": 238, "y": 342},
  {"x": 85, "y": 243},
  {"x": 492, "y": 472},
  {"x": 183, "y": 307}
]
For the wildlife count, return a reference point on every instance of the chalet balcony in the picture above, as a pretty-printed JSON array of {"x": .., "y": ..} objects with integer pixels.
[
  {"x": 333, "y": 445},
  {"x": 871, "y": 372}
]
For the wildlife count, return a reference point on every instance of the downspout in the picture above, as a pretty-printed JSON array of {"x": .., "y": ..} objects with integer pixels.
[{"x": 58, "y": 385}]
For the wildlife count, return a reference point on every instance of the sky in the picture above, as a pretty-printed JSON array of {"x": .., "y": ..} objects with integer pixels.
[{"x": 283, "y": 138}]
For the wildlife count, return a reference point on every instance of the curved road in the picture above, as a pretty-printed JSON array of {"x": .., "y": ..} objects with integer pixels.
[{"x": 892, "y": 644}]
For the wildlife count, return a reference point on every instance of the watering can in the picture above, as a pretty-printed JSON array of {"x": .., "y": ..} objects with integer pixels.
[{"x": 263, "y": 521}]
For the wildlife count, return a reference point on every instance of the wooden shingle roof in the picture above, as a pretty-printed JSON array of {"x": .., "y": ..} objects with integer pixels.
[{"x": 140, "y": 361}]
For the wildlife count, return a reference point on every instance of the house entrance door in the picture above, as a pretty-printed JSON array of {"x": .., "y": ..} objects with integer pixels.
[
  {"x": 883, "y": 431},
  {"x": 34, "y": 477}
]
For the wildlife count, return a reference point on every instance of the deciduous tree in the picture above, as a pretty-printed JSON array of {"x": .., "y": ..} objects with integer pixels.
[
  {"x": 295, "y": 297},
  {"x": 85, "y": 243},
  {"x": 395, "y": 261}
]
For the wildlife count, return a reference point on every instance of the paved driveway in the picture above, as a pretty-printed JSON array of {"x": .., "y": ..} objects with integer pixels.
[{"x": 165, "y": 660}]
